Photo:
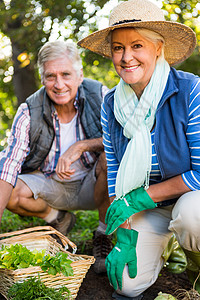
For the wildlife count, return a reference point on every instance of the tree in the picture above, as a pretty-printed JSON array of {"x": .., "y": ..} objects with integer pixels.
[
  {"x": 186, "y": 12},
  {"x": 30, "y": 23}
]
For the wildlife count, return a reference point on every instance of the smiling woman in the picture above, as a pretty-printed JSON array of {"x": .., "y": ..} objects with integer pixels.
[{"x": 147, "y": 118}]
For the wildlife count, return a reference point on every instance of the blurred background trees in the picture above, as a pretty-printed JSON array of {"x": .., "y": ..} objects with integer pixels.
[{"x": 26, "y": 25}]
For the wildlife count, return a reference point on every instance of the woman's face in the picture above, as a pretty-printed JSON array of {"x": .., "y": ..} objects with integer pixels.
[{"x": 134, "y": 57}]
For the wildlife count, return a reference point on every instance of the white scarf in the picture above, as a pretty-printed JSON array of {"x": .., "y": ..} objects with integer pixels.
[{"x": 137, "y": 118}]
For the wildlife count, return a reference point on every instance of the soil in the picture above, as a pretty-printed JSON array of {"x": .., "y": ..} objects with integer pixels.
[{"x": 97, "y": 287}]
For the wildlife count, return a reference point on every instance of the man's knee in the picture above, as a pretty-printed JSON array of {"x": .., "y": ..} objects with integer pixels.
[
  {"x": 19, "y": 191},
  {"x": 14, "y": 200}
]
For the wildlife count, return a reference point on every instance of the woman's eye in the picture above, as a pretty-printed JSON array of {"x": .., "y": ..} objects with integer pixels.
[
  {"x": 136, "y": 46},
  {"x": 117, "y": 48}
]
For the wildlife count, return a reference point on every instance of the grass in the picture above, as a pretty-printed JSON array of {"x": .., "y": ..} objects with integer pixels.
[
  {"x": 12, "y": 222},
  {"x": 81, "y": 234}
]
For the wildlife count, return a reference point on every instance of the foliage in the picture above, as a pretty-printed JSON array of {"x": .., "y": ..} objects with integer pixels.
[
  {"x": 17, "y": 256},
  {"x": 82, "y": 233},
  {"x": 186, "y": 12},
  {"x": 57, "y": 264},
  {"x": 35, "y": 289},
  {"x": 12, "y": 222},
  {"x": 96, "y": 67},
  {"x": 7, "y": 112},
  {"x": 182, "y": 11}
]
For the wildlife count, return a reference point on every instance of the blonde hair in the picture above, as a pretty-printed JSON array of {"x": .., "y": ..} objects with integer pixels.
[{"x": 57, "y": 49}]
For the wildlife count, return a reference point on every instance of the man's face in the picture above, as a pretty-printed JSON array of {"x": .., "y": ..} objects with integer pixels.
[{"x": 61, "y": 80}]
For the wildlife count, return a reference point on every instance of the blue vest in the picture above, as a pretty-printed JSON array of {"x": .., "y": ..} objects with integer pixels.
[{"x": 170, "y": 128}]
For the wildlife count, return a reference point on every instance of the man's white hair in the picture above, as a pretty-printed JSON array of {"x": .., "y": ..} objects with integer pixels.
[{"x": 58, "y": 49}]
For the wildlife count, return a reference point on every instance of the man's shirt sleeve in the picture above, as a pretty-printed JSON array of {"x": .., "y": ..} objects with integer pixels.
[{"x": 12, "y": 158}]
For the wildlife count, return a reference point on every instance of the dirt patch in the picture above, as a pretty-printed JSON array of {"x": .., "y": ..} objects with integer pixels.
[{"x": 97, "y": 287}]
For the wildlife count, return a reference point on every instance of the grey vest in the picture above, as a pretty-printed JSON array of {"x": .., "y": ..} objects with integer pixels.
[{"x": 41, "y": 125}]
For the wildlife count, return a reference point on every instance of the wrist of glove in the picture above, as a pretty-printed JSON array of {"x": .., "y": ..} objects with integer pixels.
[
  {"x": 123, "y": 253},
  {"x": 120, "y": 210}
]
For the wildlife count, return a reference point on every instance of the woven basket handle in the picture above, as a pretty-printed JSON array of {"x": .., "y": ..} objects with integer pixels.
[{"x": 41, "y": 231}]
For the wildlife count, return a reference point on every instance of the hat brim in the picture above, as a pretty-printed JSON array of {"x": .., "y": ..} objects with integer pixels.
[{"x": 180, "y": 40}]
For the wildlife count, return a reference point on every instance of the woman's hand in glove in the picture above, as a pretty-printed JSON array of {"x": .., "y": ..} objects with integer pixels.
[
  {"x": 123, "y": 253},
  {"x": 120, "y": 210}
]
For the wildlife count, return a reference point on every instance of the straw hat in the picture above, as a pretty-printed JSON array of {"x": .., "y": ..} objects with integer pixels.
[{"x": 180, "y": 40}]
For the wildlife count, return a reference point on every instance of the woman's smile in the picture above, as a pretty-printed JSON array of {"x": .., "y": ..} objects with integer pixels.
[{"x": 130, "y": 68}]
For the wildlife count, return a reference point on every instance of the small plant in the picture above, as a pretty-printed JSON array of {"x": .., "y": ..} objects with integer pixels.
[
  {"x": 164, "y": 296},
  {"x": 33, "y": 288},
  {"x": 187, "y": 295}
]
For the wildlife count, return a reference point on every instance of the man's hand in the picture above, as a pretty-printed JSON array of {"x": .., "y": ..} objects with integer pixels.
[
  {"x": 72, "y": 154},
  {"x": 123, "y": 253}
]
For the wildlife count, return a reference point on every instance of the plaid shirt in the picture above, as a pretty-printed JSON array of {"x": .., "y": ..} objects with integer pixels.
[{"x": 13, "y": 157}]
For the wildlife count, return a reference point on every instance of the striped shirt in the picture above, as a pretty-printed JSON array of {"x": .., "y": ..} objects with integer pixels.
[
  {"x": 192, "y": 177},
  {"x": 13, "y": 157}
]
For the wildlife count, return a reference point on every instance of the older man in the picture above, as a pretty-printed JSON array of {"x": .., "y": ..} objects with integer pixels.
[{"x": 54, "y": 161}]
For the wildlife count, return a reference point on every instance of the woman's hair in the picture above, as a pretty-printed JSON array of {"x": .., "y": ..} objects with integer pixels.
[{"x": 58, "y": 49}]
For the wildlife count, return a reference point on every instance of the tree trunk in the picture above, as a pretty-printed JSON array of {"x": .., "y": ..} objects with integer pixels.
[{"x": 23, "y": 78}]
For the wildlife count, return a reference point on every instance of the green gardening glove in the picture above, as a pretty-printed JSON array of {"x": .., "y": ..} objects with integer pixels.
[
  {"x": 120, "y": 210},
  {"x": 123, "y": 253}
]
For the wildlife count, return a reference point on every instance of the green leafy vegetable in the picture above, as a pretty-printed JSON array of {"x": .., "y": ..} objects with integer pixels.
[
  {"x": 57, "y": 264},
  {"x": 33, "y": 288},
  {"x": 17, "y": 257}
]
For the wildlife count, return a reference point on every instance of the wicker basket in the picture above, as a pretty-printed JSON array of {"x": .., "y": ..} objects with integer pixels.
[{"x": 44, "y": 237}]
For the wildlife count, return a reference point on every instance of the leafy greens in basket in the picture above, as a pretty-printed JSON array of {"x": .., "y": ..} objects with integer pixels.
[{"x": 17, "y": 256}]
